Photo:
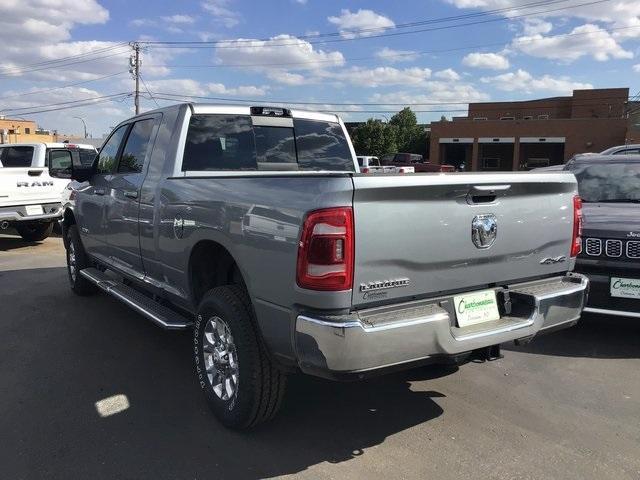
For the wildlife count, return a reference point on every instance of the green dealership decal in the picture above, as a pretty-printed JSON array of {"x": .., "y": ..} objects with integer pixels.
[{"x": 474, "y": 305}]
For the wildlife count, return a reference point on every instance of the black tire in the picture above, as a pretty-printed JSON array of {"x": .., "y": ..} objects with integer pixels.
[
  {"x": 78, "y": 283},
  {"x": 34, "y": 232},
  {"x": 261, "y": 384}
]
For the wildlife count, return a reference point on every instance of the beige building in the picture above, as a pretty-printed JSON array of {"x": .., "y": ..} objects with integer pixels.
[{"x": 26, "y": 131}]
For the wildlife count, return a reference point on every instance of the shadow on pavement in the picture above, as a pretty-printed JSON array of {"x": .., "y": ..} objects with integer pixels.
[
  {"x": 63, "y": 353},
  {"x": 596, "y": 336},
  {"x": 10, "y": 240}
]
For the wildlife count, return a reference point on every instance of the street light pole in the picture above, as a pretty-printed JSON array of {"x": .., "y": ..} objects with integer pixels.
[{"x": 83, "y": 124}]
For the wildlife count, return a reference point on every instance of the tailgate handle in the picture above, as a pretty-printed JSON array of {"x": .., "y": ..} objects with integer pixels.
[
  {"x": 131, "y": 193},
  {"x": 34, "y": 173},
  {"x": 485, "y": 193}
]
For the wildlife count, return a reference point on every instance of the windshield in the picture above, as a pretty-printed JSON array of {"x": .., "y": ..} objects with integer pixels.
[{"x": 608, "y": 182}]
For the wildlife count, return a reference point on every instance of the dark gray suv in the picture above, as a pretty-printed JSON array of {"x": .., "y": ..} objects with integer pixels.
[{"x": 610, "y": 256}]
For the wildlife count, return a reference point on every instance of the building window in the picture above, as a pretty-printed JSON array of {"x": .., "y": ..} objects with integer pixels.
[
  {"x": 543, "y": 117},
  {"x": 479, "y": 118},
  {"x": 12, "y": 131},
  {"x": 507, "y": 118},
  {"x": 27, "y": 131}
]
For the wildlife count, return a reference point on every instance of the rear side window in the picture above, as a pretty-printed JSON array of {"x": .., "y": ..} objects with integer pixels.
[
  {"x": 135, "y": 150},
  {"x": 219, "y": 142},
  {"x": 16, "y": 156},
  {"x": 322, "y": 146},
  {"x": 59, "y": 159}
]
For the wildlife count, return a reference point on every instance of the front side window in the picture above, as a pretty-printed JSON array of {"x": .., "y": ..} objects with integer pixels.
[
  {"x": 322, "y": 146},
  {"x": 219, "y": 142},
  {"x": 608, "y": 182},
  {"x": 135, "y": 150},
  {"x": 16, "y": 157},
  {"x": 108, "y": 155}
]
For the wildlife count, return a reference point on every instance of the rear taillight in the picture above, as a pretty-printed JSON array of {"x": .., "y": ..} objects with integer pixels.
[
  {"x": 325, "y": 253},
  {"x": 576, "y": 241},
  {"x": 364, "y": 170}
]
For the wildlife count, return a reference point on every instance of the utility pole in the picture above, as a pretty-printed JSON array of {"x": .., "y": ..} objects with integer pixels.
[{"x": 134, "y": 69}]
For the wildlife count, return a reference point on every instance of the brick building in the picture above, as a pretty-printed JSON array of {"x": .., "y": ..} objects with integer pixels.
[
  {"x": 14, "y": 130},
  {"x": 533, "y": 133}
]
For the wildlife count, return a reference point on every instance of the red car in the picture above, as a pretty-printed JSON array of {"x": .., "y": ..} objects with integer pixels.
[{"x": 414, "y": 160}]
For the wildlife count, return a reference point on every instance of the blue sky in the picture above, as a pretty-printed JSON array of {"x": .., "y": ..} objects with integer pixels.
[{"x": 339, "y": 54}]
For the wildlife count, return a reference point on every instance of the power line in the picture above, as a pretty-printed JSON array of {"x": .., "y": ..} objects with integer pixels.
[
  {"x": 24, "y": 94},
  {"x": 16, "y": 109},
  {"x": 47, "y": 67},
  {"x": 56, "y": 109},
  {"x": 167, "y": 95},
  {"x": 61, "y": 59},
  {"x": 224, "y": 44},
  {"x": 375, "y": 29},
  {"x": 413, "y": 53},
  {"x": 149, "y": 92}
]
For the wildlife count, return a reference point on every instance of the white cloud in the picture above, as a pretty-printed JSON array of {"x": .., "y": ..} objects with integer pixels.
[
  {"x": 188, "y": 86},
  {"x": 534, "y": 26},
  {"x": 350, "y": 23},
  {"x": 523, "y": 81},
  {"x": 179, "y": 19},
  {"x": 490, "y": 61},
  {"x": 618, "y": 15},
  {"x": 32, "y": 22},
  {"x": 636, "y": 68},
  {"x": 384, "y": 76},
  {"x": 588, "y": 39},
  {"x": 447, "y": 74},
  {"x": 221, "y": 12},
  {"x": 241, "y": 90},
  {"x": 279, "y": 57},
  {"x": 390, "y": 55},
  {"x": 437, "y": 92}
]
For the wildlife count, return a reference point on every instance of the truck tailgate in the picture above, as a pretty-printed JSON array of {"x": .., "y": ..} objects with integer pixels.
[
  {"x": 24, "y": 186},
  {"x": 415, "y": 232}
]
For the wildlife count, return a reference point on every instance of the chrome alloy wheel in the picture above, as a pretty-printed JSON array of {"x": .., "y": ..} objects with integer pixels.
[
  {"x": 71, "y": 261},
  {"x": 220, "y": 358}
]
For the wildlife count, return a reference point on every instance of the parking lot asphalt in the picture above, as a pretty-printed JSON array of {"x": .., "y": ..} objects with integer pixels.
[{"x": 566, "y": 406}]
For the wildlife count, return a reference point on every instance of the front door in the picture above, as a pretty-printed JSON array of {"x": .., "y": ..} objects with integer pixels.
[
  {"x": 122, "y": 200},
  {"x": 90, "y": 196}
]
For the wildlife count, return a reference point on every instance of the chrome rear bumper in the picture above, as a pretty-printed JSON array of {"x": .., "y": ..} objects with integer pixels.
[{"x": 392, "y": 335}]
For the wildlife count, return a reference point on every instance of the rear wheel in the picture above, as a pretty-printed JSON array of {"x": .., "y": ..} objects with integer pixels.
[
  {"x": 76, "y": 261},
  {"x": 34, "y": 232},
  {"x": 241, "y": 384}
]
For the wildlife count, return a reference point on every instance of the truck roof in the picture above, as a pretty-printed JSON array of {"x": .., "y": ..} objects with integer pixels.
[
  {"x": 231, "y": 109},
  {"x": 51, "y": 145}
]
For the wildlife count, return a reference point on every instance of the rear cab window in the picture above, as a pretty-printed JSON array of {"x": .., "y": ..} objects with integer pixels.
[
  {"x": 217, "y": 142},
  {"x": 16, "y": 157}
]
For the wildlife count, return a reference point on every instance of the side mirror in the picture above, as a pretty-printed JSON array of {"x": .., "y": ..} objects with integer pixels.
[
  {"x": 60, "y": 166},
  {"x": 82, "y": 172}
]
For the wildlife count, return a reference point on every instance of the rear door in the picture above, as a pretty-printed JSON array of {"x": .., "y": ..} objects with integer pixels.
[
  {"x": 419, "y": 229},
  {"x": 122, "y": 203}
]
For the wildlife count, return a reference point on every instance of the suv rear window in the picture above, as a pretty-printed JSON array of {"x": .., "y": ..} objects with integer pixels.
[
  {"x": 16, "y": 156},
  {"x": 231, "y": 142}
]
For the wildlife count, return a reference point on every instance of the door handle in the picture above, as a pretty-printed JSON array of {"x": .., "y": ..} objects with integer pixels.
[
  {"x": 98, "y": 191},
  {"x": 130, "y": 194}
]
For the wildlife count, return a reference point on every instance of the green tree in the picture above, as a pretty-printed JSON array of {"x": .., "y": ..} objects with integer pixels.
[
  {"x": 375, "y": 138},
  {"x": 408, "y": 131}
]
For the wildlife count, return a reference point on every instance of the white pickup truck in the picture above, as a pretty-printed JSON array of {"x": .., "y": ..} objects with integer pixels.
[{"x": 30, "y": 198}]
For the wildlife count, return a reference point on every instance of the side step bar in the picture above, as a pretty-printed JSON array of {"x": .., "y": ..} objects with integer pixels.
[{"x": 157, "y": 313}]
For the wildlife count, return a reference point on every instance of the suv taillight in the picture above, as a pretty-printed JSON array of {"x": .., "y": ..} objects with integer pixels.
[
  {"x": 325, "y": 252},
  {"x": 576, "y": 241}
]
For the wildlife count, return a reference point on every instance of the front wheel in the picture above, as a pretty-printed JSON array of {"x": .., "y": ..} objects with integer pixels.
[
  {"x": 76, "y": 261},
  {"x": 241, "y": 384},
  {"x": 34, "y": 232}
]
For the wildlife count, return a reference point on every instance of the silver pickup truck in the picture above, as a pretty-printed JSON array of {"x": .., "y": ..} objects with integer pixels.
[{"x": 251, "y": 226}]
